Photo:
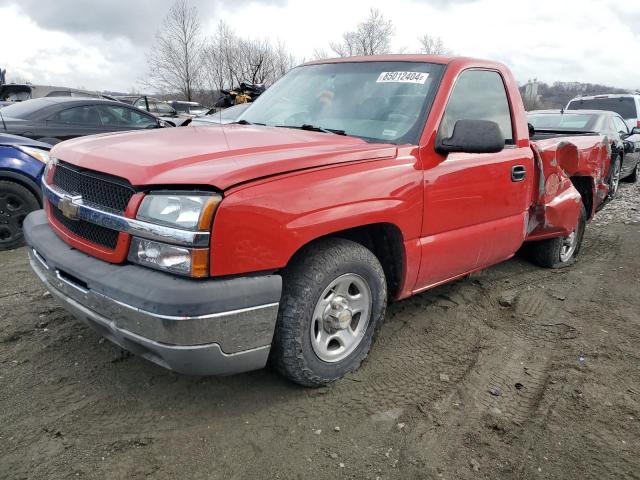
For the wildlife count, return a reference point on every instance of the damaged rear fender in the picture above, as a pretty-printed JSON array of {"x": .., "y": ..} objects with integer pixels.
[{"x": 556, "y": 209}]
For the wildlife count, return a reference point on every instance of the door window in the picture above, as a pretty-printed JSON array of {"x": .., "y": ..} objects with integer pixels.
[
  {"x": 84, "y": 115},
  {"x": 478, "y": 95},
  {"x": 123, "y": 117},
  {"x": 619, "y": 125},
  {"x": 141, "y": 103}
]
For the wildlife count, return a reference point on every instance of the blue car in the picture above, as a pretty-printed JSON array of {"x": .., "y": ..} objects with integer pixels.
[{"x": 22, "y": 161}]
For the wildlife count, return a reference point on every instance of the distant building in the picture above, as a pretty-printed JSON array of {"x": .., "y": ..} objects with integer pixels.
[{"x": 531, "y": 91}]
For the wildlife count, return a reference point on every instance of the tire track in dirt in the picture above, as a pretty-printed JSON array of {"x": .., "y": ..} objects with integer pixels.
[{"x": 421, "y": 339}]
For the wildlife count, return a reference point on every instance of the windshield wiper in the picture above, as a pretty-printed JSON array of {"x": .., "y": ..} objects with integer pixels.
[
  {"x": 313, "y": 128},
  {"x": 246, "y": 122}
]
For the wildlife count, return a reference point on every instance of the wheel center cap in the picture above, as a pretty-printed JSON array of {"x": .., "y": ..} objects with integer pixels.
[{"x": 338, "y": 316}]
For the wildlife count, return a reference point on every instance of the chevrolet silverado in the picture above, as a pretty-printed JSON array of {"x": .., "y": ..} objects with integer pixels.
[{"x": 281, "y": 237}]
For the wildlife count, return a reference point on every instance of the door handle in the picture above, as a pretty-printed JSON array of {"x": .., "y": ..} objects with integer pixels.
[{"x": 518, "y": 173}]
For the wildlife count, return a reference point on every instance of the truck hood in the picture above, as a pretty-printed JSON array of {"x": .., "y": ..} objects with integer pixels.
[{"x": 213, "y": 155}]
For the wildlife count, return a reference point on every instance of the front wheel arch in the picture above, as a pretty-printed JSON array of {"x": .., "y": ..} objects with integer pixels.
[
  {"x": 384, "y": 240},
  {"x": 25, "y": 182}
]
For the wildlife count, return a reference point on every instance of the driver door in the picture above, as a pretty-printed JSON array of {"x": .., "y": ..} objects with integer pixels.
[
  {"x": 475, "y": 205},
  {"x": 72, "y": 122}
]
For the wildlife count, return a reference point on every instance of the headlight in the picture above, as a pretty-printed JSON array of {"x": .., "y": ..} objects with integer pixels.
[
  {"x": 192, "y": 262},
  {"x": 191, "y": 212},
  {"x": 188, "y": 211},
  {"x": 53, "y": 161},
  {"x": 36, "y": 153}
]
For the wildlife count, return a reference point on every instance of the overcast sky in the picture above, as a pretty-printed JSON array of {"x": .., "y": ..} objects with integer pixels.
[{"x": 101, "y": 44}]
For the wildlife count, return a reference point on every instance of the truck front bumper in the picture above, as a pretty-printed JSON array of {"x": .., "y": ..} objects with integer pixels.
[{"x": 199, "y": 327}]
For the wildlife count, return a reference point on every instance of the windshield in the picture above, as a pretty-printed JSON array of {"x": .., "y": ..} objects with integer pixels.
[
  {"x": 231, "y": 113},
  {"x": 378, "y": 101},
  {"x": 559, "y": 121},
  {"x": 623, "y": 106}
]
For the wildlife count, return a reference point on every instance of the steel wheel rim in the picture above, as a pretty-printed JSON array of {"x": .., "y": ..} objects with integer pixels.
[
  {"x": 340, "y": 318},
  {"x": 569, "y": 246}
]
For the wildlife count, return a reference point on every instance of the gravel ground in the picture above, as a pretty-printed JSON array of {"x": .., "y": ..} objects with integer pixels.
[{"x": 515, "y": 372}]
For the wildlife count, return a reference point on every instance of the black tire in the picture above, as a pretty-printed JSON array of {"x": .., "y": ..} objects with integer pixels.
[
  {"x": 16, "y": 202},
  {"x": 547, "y": 253},
  {"x": 633, "y": 178},
  {"x": 614, "y": 177},
  {"x": 310, "y": 273},
  {"x": 50, "y": 140}
]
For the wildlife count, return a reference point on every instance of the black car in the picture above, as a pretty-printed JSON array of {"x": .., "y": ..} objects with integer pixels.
[
  {"x": 52, "y": 120},
  {"x": 156, "y": 107},
  {"x": 625, "y": 144}
]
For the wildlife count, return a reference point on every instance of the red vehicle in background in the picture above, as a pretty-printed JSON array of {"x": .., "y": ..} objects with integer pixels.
[{"x": 209, "y": 250}]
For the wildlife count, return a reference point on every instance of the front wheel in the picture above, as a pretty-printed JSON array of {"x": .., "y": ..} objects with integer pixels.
[
  {"x": 16, "y": 202},
  {"x": 334, "y": 299},
  {"x": 559, "y": 252}
]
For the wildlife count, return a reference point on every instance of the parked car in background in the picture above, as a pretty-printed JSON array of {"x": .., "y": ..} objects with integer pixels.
[
  {"x": 625, "y": 105},
  {"x": 228, "y": 115},
  {"x": 211, "y": 250},
  {"x": 19, "y": 92},
  {"x": 192, "y": 109},
  {"x": 52, "y": 120},
  {"x": 625, "y": 142},
  {"x": 22, "y": 161},
  {"x": 156, "y": 107}
]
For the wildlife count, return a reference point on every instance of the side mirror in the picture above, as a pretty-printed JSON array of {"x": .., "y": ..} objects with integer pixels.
[
  {"x": 635, "y": 131},
  {"x": 473, "y": 136}
]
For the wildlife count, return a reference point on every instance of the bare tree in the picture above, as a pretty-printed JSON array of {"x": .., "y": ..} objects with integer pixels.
[
  {"x": 175, "y": 61},
  {"x": 371, "y": 37},
  {"x": 433, "y": 45},
  {"x": 230, "y": 60},
  {"x": 320, "y": 54}
]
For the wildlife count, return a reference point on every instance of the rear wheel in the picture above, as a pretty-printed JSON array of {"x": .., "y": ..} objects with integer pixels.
[
  {"x": 16, "y": 202},
  {"x": 333, "y": 301},
  {"x": 614, "y": 177},
  {"x": 559, "y": 252},
  {"x": 633, "y": 178}
]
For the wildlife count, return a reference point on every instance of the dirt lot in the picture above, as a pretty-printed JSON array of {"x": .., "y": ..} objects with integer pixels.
[{"x": 516, "y": 372}]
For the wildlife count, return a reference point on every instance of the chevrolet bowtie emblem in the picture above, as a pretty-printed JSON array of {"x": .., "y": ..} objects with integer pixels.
[{"x": 69, "y": 206}]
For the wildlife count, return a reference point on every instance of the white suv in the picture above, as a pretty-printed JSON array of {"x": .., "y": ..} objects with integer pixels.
[{"x": 625, "y": 105}]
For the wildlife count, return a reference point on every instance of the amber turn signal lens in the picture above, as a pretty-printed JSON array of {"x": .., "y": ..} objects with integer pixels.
[
  {"x": 206, "y": 217},
  {"x": 200, "y": 262}
]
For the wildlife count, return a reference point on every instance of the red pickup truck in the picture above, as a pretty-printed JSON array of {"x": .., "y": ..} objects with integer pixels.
[{"x": 213, "y": 249}]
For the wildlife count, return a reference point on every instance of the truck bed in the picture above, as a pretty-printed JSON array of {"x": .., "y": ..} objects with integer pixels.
[{"x": 571, "y": 172}]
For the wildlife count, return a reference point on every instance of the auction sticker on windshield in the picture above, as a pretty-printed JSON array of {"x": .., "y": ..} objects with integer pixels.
[{"x": 402, "y": 77}]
